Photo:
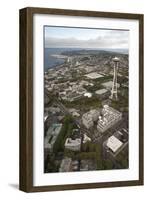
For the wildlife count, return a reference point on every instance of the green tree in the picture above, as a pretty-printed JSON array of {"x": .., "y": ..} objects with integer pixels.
[
  {"x": 64, "y": 133},
  {"x": 107, "y": 164}
]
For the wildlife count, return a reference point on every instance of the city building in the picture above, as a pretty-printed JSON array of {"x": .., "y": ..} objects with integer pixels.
[
  {"x": 113, "y": 143},
  {"x": 73, "y": 144},
  {"x": 51, "y": 136},
  {"x": 73, "y": 96},
  {"x": 89, "y": 118},
  {"x": 109, "y": 117},
  {"x": 66, "y": 165},
  {"x": 108, "y": 85},
  {"x": 75, "y": 114},
  {"x": 83, "y": 82},
  {"x": 93, "y": 75},
  {"x": 88, "y": 68},
  {"x": 102, "y": 93},
  {"x": 86, "y": 139},
  {"x": 88, "y": 94}
]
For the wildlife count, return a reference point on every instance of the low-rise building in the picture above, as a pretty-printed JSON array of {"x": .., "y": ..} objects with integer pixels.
[
  {"x": 113, "y": 143},
  {"x": 66, "y": 165},
  {"x": 109, "y": 117},
  {"x": 102, "y": 93},
  {"x": 85, "y": 83},
  {"x": 93, "y": 75},
  {"x": 89, "y": 68},
  {"x": 74, "y": 112},
  {"x": 88, "y": 94},
  {"x": 73, "y": 96},
  {"x": 73, "y": 145},
  {"x": 108, "y": 85}
]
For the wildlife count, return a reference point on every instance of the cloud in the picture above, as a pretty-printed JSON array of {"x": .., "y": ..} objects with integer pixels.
[{"x": 110, "y": 39}]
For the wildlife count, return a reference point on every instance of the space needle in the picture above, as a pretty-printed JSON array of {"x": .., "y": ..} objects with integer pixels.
[{"x": 114, "y": 84}]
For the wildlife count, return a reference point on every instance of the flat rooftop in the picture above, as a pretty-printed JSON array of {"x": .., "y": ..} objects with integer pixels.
[
  {"x": 109, "y": 84},
  {"x": 70, "y": 142},
  {"x": 113, "y": 143},
  {"x": 93, "y": 75},
  {"x": 101, "y": 91}
]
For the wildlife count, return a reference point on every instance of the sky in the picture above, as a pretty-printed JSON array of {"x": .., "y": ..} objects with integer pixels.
[{"x": 65, "y": 37}]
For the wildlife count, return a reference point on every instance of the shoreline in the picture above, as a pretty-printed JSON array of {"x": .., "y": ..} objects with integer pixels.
[{"x": 59, "y": 56}]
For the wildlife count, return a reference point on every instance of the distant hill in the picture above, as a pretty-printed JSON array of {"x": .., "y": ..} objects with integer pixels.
[{"x": 94, "y": 51}]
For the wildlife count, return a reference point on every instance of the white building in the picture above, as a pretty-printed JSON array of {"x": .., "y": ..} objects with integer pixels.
[
  {"x": 73, "y": 145},
  {"x": 88, "y": 94},
  {"x": 89, "y": 118},
  {"x": 86, "y": 139},
  {"x": 113, "y": 143},
  {"x": 109, "y": 117}
]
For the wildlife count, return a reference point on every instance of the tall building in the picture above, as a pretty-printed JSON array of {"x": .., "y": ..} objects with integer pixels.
[
  {"x": 90, "y": 117},
  {"x": 114, "y": 85},
  {"x": 69, "y": 61},
  {"x": 109, "y": 118}
]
